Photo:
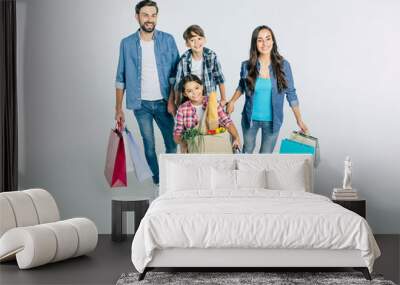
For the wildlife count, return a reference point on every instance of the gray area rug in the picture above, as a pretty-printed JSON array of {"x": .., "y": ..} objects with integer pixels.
[{"x": 270, "y": 278}]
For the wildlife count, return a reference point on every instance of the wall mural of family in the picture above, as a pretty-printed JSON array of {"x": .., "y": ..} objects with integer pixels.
[{"x": 176, "y": 91}]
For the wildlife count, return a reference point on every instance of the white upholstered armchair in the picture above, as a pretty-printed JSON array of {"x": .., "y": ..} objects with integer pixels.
[{"x": 31, "y": 230}]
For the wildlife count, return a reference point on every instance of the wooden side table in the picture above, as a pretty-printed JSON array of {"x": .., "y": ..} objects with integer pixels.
[
  {"x": 357, "y": 206},
  {"x": 120, "y": 206}
]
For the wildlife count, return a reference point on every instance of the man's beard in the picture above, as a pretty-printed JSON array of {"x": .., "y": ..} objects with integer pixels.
[{"x": 148, "y": 30}]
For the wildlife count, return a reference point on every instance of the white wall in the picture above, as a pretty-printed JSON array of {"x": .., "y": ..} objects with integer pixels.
[{"x": 344, "y": 55}]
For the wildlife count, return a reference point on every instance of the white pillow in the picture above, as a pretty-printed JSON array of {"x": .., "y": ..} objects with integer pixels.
[
  {"x": 288, "y": 177},
  {"x": 251, "y": 178},
  {"x": 282, "y": 174},
  {"x": 227, "y": 179},
  {"x": 187, "y": 177},
  {"x": 223, "y": 179}
]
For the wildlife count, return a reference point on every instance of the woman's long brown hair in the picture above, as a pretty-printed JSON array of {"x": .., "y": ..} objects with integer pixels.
[{"x": 276, "y": 61}]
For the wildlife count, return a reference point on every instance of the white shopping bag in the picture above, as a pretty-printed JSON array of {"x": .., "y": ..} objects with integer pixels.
[
  {"x": 142, "y": 169},
  {"x": 129, "y": 164},
  {"x": 310, "y": 141}
]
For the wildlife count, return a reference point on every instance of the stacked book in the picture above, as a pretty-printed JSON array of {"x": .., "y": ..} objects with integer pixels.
[{"x": 344, "y": 194}]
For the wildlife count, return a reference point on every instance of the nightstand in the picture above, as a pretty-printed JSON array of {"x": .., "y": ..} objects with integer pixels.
[
  {"x": 120, "y": 206},
  {"x": 357, "y": 206}
]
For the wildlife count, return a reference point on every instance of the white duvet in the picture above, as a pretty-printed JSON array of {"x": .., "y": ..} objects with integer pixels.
[{"x": 251, "y": 218}]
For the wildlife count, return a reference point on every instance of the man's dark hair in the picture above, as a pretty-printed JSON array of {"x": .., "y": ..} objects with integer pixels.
[
  {"x": 145, "y": 3},
  {"x": 192, "y": 31}
]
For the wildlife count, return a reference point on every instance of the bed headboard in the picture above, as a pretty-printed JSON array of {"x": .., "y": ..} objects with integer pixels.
[{"x": 231, "y": 161}]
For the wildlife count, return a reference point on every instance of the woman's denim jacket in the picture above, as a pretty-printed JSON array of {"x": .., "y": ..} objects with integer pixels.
[{"x": 277, "y": 98}]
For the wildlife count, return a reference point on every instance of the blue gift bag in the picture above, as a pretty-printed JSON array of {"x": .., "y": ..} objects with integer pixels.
[
  {"x": 290, "y": 146},
  {"x": 302, "y": 143}
]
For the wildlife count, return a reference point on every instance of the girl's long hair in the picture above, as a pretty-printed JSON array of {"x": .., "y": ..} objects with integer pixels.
[{"x": 276, "y": 61}]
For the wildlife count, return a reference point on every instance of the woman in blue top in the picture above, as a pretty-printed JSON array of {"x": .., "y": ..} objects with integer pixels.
[{"x": 265, "y": 79}]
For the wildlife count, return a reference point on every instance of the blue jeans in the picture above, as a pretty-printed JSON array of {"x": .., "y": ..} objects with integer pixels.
[
  {"x": 268, "y": 138},
  {"x": 155, "y": 110}
]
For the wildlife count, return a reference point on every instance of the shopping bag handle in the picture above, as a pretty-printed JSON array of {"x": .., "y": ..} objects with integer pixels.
[
  {"x": 237, "y": 149},
  {"x": 119, "y": 126},
  {"x": 304, "y": 135}
]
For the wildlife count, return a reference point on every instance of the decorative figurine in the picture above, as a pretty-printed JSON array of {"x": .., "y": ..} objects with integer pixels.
[{"x": 347, "y": 174}]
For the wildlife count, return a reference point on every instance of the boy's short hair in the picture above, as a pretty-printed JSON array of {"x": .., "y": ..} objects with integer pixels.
[
  {"x": 145, "y": 3},
  {"x": 192, "y": 31}
]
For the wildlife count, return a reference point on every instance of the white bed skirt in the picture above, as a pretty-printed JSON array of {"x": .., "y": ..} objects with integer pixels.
[{"x": 189, "y": 257}]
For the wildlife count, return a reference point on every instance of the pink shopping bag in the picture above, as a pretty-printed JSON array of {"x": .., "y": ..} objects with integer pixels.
[{"x": 115, "y": 168}]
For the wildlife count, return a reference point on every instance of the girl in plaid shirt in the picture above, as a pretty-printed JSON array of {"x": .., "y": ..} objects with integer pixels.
[{"x": 191, "y": 110}]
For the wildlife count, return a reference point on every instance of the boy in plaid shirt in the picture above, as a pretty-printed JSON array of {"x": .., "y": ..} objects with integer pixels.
[
  {"x": 200, "y": 61},
  {"x": 192, "y": 110}
]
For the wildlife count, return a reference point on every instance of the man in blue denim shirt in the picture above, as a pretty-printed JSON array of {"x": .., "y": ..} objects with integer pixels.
[{"x": 146, "y": 71}]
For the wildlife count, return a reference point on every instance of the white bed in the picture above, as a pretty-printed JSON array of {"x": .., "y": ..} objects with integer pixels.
[{"x": 221, "y": 211}]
